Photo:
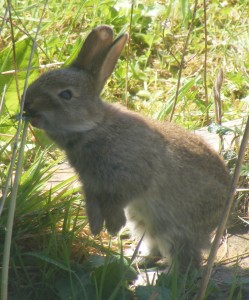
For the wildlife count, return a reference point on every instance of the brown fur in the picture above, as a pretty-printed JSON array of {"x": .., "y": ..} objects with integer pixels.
[{"x": 165, "y": 181}]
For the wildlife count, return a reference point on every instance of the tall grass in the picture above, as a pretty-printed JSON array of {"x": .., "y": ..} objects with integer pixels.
[{"x": 52, "y": 254}]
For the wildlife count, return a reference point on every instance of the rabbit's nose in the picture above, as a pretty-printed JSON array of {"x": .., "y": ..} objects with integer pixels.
[
  {"x": 28, "y": 100},
  {"x": 27, "y": 105}
]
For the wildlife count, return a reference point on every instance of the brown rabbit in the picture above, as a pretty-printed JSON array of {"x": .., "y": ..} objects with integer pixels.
[{"x": 166, "y": 182}]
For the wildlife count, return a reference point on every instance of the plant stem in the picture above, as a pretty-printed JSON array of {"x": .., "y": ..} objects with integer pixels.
[
  {"x": 128, "y": 55},
  {"x": 227, "y": 209},
  {"x": 205, "y": 60},
  {"x": 182, "y": 59},
  {"x": 10, "y": 222},
  {"x": 2, "y": 100}
]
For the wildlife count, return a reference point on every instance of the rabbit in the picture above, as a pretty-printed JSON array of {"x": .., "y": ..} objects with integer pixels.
[{"x": 164, "y": 182}]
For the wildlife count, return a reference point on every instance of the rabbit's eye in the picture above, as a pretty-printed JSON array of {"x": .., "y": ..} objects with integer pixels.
[{"x": 66, "y": 94}]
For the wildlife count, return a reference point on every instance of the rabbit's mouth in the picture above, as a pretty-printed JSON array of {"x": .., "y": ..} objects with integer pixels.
[{"x": 34, "y": 118}]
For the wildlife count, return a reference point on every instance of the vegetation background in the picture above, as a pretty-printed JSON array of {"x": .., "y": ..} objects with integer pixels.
[{"x": 185, "y": 61}]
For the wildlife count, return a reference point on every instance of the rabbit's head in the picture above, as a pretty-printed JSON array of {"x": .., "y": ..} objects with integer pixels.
[{"x": 67, "y": 100}]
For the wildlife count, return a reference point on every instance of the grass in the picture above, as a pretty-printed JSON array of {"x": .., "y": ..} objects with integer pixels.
[{"x": 53, "y": 255}]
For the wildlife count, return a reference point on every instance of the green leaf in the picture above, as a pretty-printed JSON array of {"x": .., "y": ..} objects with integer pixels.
[
  {"x": 153, "y": 292},
  {"x": 111, "y": 276},
  {"x": 23, "y": 51},
  {"x": 219, "y": 129},
  {"x": 77, "y": 287},
  {"x": 167, "y": 107},
  {"x": 49, "y": 260},
  {"x": 185, "y": 11}
]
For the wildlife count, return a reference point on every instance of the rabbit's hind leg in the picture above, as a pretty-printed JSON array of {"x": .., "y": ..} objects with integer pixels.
[
  {"x": 148, "y": 252},
  {"x": 184, "y": 252}
]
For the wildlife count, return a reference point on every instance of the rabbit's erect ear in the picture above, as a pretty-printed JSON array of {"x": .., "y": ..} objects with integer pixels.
[
  {"x": 110, "y": 58},
  {"x": 100, "y": 38},
  {"x": 99, "y": 54}
]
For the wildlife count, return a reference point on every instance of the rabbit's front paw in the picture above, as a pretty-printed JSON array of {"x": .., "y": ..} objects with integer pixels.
[
  {"x": 95, "y": 218},
  {"x": 96, "y": 224},
  {"x": 115, "y": 221}
]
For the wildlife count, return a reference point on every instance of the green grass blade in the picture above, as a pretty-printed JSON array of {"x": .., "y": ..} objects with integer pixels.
[{"x": 7, "y": 243}]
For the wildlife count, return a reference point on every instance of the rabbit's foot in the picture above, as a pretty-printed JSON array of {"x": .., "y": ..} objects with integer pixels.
[
  {"x": 115, "y": 221},
  {"x": 95, "y": 217}
]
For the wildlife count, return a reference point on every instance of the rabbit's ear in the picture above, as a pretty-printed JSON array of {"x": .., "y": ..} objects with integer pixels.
[
  {"x": 109, "y": 60},
  {"x": 99, "y": 54},
  {"x": 100, "y": 38}
]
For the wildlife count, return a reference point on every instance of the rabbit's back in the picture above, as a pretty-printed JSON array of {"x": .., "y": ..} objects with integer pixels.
[{"x": 128, "y": 154}]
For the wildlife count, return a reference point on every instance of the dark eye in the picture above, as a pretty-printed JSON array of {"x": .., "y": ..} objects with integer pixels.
[{"x": 66, "y": 94}]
